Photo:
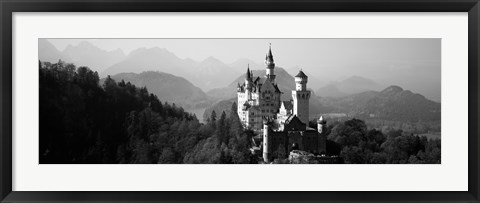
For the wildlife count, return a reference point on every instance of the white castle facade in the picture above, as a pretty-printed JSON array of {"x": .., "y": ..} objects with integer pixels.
[{"x": 282, "y": 123}]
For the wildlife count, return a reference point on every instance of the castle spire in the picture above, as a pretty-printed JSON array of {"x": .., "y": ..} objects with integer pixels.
[
  {"x": 270, "y": 64},
  {"x": 248, "y": 72},
  {"x": 269, "y": 56}
]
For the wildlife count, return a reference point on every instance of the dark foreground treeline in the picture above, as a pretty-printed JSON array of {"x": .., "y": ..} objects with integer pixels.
[{"x": 84, "y": 122}]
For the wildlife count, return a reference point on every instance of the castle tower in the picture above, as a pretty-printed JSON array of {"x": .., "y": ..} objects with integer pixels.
[
  {"x": 322, "y": 137},
  {"x": 267, "y": 129},
  {"x": 270, "y": 64},
  {"x": 301, "y": 97}
]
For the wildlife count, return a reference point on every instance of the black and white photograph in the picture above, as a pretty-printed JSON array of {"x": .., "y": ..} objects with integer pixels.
[{"x": 239, "y": 101}]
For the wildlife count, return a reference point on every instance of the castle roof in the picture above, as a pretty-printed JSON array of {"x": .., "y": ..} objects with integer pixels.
[
  {"x": 246, "y": 105},
  {"x": 277, "y": 89},
  {"x": 310, "y": 129},
  {"x": 259, "y": 80},
  {"x": 249, "y": 74},
  {"x": 301, "y": 74},
  {"x": 321, "y": 120},
  {"x": 269, "y": 56},
  {"x": 287, "y": 105},
  {"x": 257, "y": 84},
  {"x": 290, "y": 118},
  {"x": 293, "y": 123}
]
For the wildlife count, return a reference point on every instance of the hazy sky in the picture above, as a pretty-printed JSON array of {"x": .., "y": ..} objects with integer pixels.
[{"x": 410, "y": 63}]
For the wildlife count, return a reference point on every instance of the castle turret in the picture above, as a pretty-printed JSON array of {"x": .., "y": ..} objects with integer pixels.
[
  {"x": 270, "y": 64},
  {"x": 301, "y": 97},
  {"x": 267, "y": 129},
  {"x": 248, "y": 76},
  {"x": 322, "y": 135},
  {"x": 321, "y": 125},
  {"x": 301, "y": 81}
]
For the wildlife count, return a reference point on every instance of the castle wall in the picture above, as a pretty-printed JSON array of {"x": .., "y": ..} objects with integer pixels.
[
  {"x": 322, "y": 143},
  {"x": 279, "y": 140},
  {"x": 310, "y": 141},
  {"x": 306, "y": 140}
]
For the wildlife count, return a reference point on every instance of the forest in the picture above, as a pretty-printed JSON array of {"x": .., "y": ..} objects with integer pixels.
[
  {"x": 85, "y": 122},
  {"x": 355, "y": 143},
  {"x": 116, "y": 122}
]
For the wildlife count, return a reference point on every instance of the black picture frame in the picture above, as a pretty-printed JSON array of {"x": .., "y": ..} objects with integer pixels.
[{"x": 7, "y": 7}]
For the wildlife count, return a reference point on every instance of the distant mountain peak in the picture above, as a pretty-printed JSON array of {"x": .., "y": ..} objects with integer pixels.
[
  {"x": 211, "y": 59},
  {"x": 392, "y": 89},
  {"x": 153, "y": 51},
  {"x": 245, "y": 61},
  {"x": 359, "y": 80},
  {"x": 48, "y": 52},
  {"x": 85, "y": 44}
]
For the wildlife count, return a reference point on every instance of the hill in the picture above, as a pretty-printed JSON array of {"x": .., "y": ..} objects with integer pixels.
[
  {"x": 392, "y": 103},
  {"x": 152, "y": 59},
  {"x": 168, "y": 88},
  {"x": 219, "y": 107},
  {"x": 351, "y": 85}
]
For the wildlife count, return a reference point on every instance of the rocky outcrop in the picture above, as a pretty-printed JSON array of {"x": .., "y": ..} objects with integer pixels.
[{"x": 303, "y": 157}]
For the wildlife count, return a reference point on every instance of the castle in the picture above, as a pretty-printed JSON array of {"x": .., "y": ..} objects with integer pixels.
[{"x": 281, "y": 126}]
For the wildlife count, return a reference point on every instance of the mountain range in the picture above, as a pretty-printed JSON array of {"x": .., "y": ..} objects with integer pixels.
[
  {"x": 83, "y": 54},
  {"x": 349, "y": 86},
  {"x": 48, "y": 52},
  {"x": 207, "y": 74},
  {"x": 204, "y": 82},
  {"x": 86, "y": 54},
  {"x": 392, "y": 103}
]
